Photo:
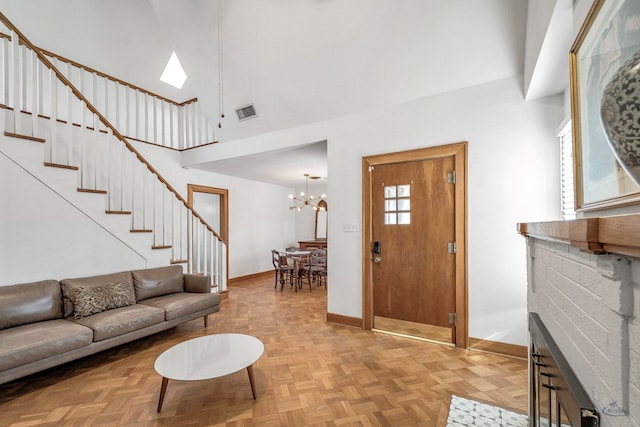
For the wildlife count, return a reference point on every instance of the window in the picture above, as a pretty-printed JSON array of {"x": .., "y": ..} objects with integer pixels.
[
  {"x": 397, "y": 204},
  {"x": 566, "y": 173},
  {"x": 173, "y": 73}
]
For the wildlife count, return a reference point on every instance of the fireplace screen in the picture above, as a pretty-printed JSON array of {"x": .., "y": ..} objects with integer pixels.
[{"x": 557, "y": 397}]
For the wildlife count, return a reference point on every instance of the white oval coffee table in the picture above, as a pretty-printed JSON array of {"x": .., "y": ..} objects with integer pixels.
[{"x": 211, "y": 356}]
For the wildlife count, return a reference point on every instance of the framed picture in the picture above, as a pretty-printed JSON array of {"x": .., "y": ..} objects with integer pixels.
[{"x": 605, "y": 115}]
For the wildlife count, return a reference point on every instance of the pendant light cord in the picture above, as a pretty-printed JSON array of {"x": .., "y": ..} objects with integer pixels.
[{"x": 220, "y": 67}]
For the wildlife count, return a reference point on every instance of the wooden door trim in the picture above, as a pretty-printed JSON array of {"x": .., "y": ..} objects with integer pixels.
[
  {"x": 459, "y": 152},
  {"x": 224, "y": 203},
  {"x": 224, "y": 211}
]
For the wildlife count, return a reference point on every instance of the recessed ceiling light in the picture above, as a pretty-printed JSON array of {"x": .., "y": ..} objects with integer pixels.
[{"x": 173, "y": 73}]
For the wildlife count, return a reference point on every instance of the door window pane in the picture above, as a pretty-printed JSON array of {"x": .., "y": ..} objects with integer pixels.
[
  {"x": 390, "y": 205},
  {"x": 404, "y": 218},
  {"x": 390, "y": 192},
  {"x": 390, "y": 218},
  {"x": 397, "y": 204}
]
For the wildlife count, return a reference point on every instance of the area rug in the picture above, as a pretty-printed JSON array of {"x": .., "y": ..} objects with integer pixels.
[{"x": 465, "y": 413}]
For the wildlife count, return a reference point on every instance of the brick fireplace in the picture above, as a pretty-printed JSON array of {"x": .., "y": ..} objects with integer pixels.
[{"x": 584, "y": 283}]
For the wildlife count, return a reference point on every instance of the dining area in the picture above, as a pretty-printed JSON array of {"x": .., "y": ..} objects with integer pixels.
[
  {"x": 304, "y": 263},
  {"x": 297, "y": 268}
]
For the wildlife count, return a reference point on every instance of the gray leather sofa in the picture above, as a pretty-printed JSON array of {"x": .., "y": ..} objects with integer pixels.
[{"x": 50, "y": 322}]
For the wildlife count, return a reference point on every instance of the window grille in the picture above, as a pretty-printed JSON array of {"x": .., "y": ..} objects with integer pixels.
[{"x": 566, "y": 173}]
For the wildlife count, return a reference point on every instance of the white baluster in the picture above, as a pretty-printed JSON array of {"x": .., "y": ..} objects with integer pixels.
[
  {"x": 172, "y": 136},
  {"x": 35, "y": 92},
  {"x": 155, "y": 121},
  {"x": 14, "y": 87},
  {"x": 42, "y": 92},
  {"x": 187, "y": 125},
  {"x": 4, "y": 87},
  {"x": 69, "y": 126},
  {"x": 127, "y": 112},
  {"x": 146, "y": 118},
  {"x": 52, "y": 140}
]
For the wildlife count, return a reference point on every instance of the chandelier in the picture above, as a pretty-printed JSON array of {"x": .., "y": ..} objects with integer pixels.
[{"x": 305, "y": 199}]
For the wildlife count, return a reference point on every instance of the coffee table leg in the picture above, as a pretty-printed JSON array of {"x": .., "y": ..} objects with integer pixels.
[
  {"x": 163, "y": 389},
  {"x": 253, "y": 388}
]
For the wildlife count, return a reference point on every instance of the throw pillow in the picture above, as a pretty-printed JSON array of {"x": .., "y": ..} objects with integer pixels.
[{"x": 88, "y": 301}]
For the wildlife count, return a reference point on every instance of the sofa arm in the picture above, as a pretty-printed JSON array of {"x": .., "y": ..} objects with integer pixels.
[{"x": 197, "y": 283}]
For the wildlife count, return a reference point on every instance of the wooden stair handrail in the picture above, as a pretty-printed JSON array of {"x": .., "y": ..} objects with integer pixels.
[{"x": 104, "y": 120}]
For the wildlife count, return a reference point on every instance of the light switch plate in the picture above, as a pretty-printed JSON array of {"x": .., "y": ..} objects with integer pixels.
[{"x": 350, "y": 227}]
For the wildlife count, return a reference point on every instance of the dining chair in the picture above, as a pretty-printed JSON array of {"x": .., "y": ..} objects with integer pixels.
[
  {"x": 318, "y": 267},
  {"x": 303, "y": 270},
  {"x": 283, "y": 270},
  {"x": 312, "y": 268}
]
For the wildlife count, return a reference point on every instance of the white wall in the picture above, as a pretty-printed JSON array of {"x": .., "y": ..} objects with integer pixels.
[
  {"x": 259, "y": 216},
  {"x": 43, "y": 236},
  {"x": 513, "y": 177},
  {"x": 539, "y": 14}
]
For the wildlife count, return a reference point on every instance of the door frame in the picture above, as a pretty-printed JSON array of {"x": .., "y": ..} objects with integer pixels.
[
  {"x": 459, "y": 153},
  {"x": 224, "y": 212}
]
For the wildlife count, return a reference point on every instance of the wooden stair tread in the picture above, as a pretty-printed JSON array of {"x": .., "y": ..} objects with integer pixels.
[
  {"x": 140, "y": 230},
  {"x": 118, "y": 212},
  {"x": 179, "y": 261},
  {"x": 90, "y": 190},
  {"x": 61, "y": 166},
  {"x": 161, "y": 247},
  {"x": 27, "y": 137}
]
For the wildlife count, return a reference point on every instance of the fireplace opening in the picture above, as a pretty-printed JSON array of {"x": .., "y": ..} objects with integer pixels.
[{"x": 556, "y": 396}]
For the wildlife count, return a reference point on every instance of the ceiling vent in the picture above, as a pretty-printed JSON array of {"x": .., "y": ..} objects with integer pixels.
[{"x": 247, "y": 112}]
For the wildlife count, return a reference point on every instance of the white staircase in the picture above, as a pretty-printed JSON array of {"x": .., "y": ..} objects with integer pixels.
[{"x": 58, "y": 136}]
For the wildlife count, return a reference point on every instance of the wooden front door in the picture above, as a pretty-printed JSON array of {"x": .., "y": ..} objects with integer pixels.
[
  {"x": 412, "y": 227},
  {"x": 416, "y": 232}
]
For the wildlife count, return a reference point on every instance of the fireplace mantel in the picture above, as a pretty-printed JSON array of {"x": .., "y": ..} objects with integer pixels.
[{"x": 614, "y": 234}]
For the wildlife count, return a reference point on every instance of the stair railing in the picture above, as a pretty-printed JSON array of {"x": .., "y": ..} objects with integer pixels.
[
  {"x": 136, "y": 112},
  {"x": 80, "y": 137}
]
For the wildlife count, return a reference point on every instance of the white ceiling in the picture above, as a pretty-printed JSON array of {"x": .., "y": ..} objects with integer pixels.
[
  {"x": 281, "y": 167},
  {"x": 297, "y": 61}
]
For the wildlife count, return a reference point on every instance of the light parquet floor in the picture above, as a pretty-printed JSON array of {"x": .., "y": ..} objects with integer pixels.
[{"x": 312, "y": 373}]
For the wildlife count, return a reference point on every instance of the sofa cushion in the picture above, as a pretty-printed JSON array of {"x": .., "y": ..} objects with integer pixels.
[
  {"x": 197, "y": 283},
  {"x": 29, "y": 303},
  {"x": 91, "y": 282},
  {"x": 88, "y": 301},
  {"x": 183, "y": 303},
  {"x": 28, "y": 343},
  {"x": 120, "y": 321},
  {"x": 154, "y": 282}
]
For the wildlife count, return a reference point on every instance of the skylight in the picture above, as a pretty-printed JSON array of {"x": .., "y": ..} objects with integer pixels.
[{"x": 173, "y": 73}]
